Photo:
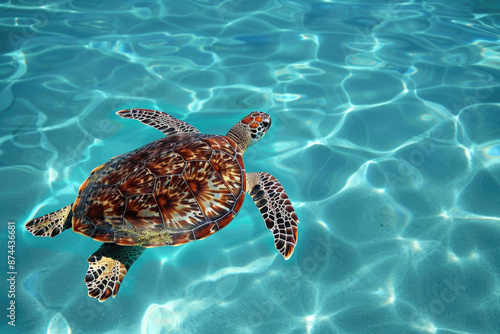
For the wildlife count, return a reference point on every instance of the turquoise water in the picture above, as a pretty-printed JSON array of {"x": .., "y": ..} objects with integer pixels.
[{"x": 386, "y": 136}]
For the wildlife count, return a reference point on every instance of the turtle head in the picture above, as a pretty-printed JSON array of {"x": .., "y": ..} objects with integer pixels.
[{"x": 250, "y": 129}]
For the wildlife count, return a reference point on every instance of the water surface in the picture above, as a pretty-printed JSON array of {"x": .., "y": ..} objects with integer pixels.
[{"x": 386, "y": 136}]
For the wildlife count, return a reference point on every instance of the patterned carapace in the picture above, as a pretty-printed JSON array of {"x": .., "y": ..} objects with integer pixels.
[{"x": 180, "y": 188}]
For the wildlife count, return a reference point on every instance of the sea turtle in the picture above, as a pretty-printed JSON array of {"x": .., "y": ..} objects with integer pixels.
[{"x": 177, "y": 189}]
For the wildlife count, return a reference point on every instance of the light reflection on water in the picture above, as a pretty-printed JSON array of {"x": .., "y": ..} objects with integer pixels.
[{"x": 385, "y": 134}]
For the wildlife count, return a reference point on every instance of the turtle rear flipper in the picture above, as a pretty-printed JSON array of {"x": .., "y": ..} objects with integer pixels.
[
  {"x": 107, "y": 268},
  {"x": 51, "y": 224},
  {"x": 276, "y": 209}
]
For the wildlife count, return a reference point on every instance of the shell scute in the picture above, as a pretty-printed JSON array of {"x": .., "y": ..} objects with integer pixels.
[
  {"x": 105, "y": 209},
  {"x": 182, "y": 238},
  {"x": 139, "y": 182},
  {"x": 142, "y": 213},
  {"x": 115, "y": 172},
  {"x": 219, "y": 143},
  {"x": 210, "y": 191},
  {"x": 170, "y": 163},
  {"x": 227, "y": 167},
  {"x": 239, "y": 203},
  {"x": 82, "y": 225},
  {"x": 176, "y": 204},
  {"x": 194, "y": 150},
  {"x": 204, "y": 231},
  {"x": 226, "y": 220}
]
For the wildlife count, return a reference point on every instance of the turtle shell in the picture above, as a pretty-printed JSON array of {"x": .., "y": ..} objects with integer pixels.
[{"x": 175, "y": 190}]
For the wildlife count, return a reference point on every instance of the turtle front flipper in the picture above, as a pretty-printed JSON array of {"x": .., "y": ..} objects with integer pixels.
[
  {"x": 107, "y": 268},
  {"x": 51, "y": 224},
  {"x": 158, "y": 120},
  {"x": 276, "y": 209}
]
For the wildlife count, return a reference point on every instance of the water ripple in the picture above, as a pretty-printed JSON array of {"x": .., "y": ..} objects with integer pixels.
[{"x": 385, "y": 135}]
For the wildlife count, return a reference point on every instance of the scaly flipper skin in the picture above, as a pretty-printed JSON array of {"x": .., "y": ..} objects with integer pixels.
[
  {"x": 51, "y": 224},
  {"x": 158, "y": 120},
  {"x": 276, "y": 209},
  {"x": 107, "y": 268}
]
